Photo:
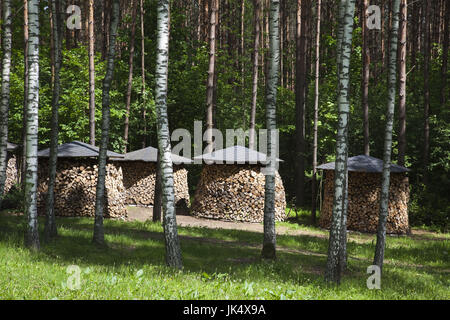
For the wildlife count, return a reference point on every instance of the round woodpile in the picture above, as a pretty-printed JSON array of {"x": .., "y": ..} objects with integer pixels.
[
  {"x": 235, "y": 193},
  {"x": 75, "y": 189},
  {"x": 364, "y": 202},
  {"x": 11, "y": 174},
  {"x": 139, "y": 182}
]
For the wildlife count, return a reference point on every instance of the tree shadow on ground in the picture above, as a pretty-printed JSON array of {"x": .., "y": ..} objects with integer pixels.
[{"x": 211, "y": 251}]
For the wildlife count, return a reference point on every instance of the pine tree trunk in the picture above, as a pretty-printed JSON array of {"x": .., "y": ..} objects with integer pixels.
[
  {"x": 445, "y": 55},
  {"x": 173, "y": 250},
  {"x": 50, "y": 230},
  {"x": 316, "y": 115},
  {"x": 365, "y": 78},
  {"x": 4, "y": 107},
  {"x": 269, "y": 242},
  {"x": 300, "y": 97},
  {"x": 335, "y": 249},
  {"x": 31, "y": 180},
  {"x": 99, "y": 237},
  {"x": 91, "y": 74},
  {"x": 402, "y": 84},
  {"x": 426, "y": 78},
  {"x": 211, "y": 75},
  {"x": 130, "y": 74},
  {"x": 257, "y": 34},
  {"x": 143, "y": 97},
  {"x": 384, "y": 198}
]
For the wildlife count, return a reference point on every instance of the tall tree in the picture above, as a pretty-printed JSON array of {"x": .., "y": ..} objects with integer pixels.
[
  {"x": 256, "y": 45},
  {"x": 157, "y": 198},
  {"x": 384, "y": 198},
  {"x": 91, "y": 73},
  {"x": 99, "y": 237},
  {"x": 4, "y": 107},
  {"x": 173, "y": 250},
  {"x": 269, "y": 242},
  {"x": 211, "y": 75},
  {"x": 50, "y": 230},
  {"x": 130, "y": 73},
  {"x": 316, "y": 114},
  {"x": 426, "y": 88},
  {"x": 446, "y": 25},
  {"x": 365, "y": 77},
  {"x": 25, "y": 93},
  {"x": 31, "y": 179},
  {"x": 336, "y": 244},
  {"x": 300, "y": 96},
  {"x": 402, "y": 84},
  {"x": 143, "y": 97}
]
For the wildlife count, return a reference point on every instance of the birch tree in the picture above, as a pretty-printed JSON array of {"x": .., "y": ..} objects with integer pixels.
[
  {"x": 31, "y": 179},
  {"x": 4, "y": 108},
  {"x": 50, "y": 230},
  {"x": 99, "y": 237},
  {"x": 173, "y": 250},
  {"x": 25, "y": 93},
  {"x": 384, "y": 198},
  {"x": 336, "y": 248},
  {"x": 269, "y": 242}
]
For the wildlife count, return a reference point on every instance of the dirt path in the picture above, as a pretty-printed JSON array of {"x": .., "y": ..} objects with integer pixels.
[
  {"x": 183, "y": 220},
  {"x": 142, "y": 214}
]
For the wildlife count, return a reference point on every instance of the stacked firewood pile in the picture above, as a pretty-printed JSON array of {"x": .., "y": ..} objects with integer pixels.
[
  {"x": 235, "y": 193},
  {"x": 75, "y": 189},
  {"x": 139, "y": 180},
  {"x": 364, "y": 202},
  {"x": 11, "y": 174}
]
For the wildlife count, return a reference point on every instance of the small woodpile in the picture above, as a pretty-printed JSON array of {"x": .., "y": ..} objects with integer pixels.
[
  {"x": 139, "y": 181},
  {"x": 235, "y": 193},
  {"x": 75, "y": 189},
  {"x": 364, "y": 202},
  {"x": 11, "y": 174}
]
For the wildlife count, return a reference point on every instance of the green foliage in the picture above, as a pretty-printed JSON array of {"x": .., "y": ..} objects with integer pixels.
[{"x": 188, "y": 67}]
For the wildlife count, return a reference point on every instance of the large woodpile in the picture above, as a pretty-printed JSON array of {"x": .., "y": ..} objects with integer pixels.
[
  {"x": 139, "y": 181},
  {"x": 235, "y": 193},
  {"x": 364, "y": 202},
  {"x": 11, "y": 174},
  {"x": 75, "y": 189}
]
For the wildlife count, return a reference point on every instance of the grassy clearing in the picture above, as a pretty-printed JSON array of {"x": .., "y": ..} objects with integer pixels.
[{"x": 219, "y": 264}]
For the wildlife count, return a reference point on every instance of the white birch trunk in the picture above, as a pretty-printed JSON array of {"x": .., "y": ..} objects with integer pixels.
[
  {"x": 269, "y": 242},
  {"x": 4, "y": 107},
  {"x": 384, "y": 198},
  {"x": 173, "y": 250},
  {"x": 99, "y": 237},
  {"x": 336, "y": 243},
  {"x": 31, "y": 179}
]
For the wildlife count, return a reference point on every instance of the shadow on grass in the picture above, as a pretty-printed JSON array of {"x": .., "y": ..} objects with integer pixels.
[{"x": 207, "y": 250}]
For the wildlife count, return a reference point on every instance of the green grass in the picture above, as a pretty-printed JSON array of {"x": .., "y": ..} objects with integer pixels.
[{"x": 218, "y": 264}]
